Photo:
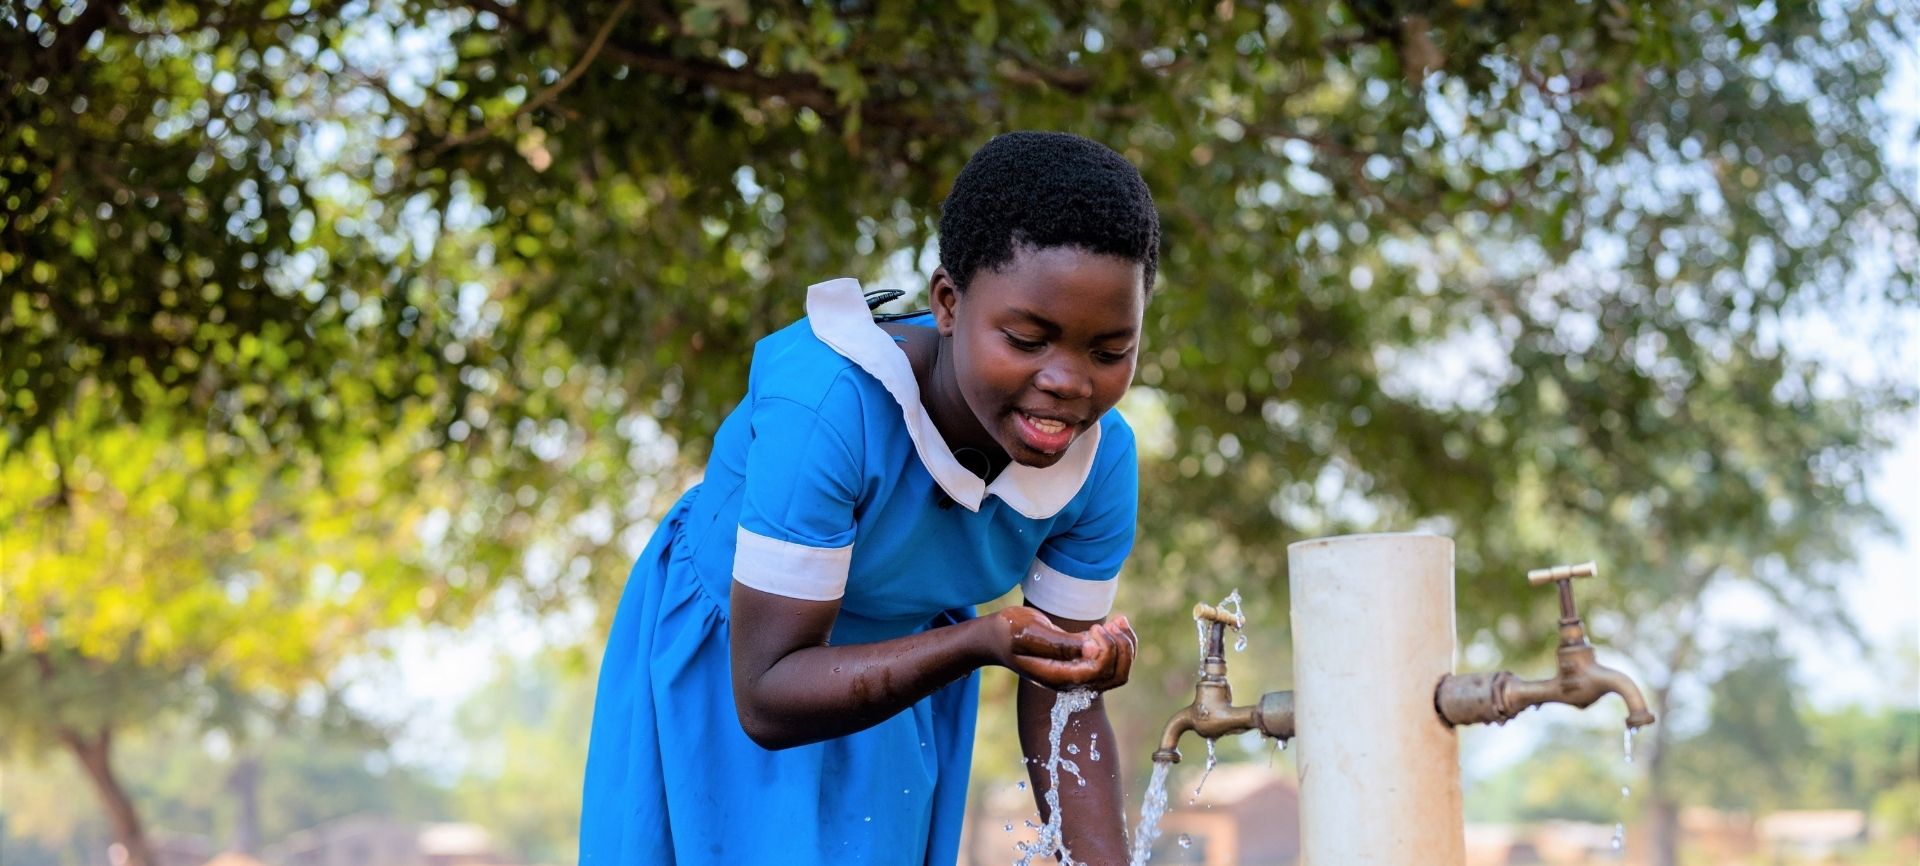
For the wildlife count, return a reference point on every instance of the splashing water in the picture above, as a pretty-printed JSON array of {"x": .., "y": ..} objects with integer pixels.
[
  {"x": 1093, "y": 747},
  {"x": 1230, "y": 606},
  {"x": 1626, "y": 744},
  {"x": 1151, "y": 809},
  {"x": 1185, "y": 840},
  {"x": 1049, "y": 841}
]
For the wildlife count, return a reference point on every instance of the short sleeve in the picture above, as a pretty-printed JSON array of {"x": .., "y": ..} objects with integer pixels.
[
  {"x": 1075, "y": 574},
  {"x": 801, "y": 483}
]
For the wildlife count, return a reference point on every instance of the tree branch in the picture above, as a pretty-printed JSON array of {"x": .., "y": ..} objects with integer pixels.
[
  {"x": 545, "y": 96},
  {"x": 795, "y": 88}
]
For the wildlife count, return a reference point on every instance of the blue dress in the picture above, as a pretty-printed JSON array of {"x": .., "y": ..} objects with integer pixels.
[{"x": 829, "y": 481}]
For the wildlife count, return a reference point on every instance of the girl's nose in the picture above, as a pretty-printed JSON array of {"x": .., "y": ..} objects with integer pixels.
[{"x": 1065, "y": 379}]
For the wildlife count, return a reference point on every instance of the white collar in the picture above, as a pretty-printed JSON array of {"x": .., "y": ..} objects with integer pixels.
[{"x": 838, "y": 313}]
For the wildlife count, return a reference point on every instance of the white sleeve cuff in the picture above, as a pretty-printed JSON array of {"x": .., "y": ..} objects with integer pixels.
[
  {"x": 1066, "y": 595},
  {"x": 789, "y": 569}
]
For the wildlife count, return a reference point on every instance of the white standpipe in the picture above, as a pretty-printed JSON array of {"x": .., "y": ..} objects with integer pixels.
[{"x": 1373, "y": 634}]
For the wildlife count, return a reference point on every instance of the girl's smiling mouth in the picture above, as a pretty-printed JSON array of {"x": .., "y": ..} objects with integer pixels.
[{"x": 1045, "y": 435}]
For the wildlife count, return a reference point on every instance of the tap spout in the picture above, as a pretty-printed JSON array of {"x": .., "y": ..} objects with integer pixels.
[
  {"x": 1466, "y": 699},
  {"x": 1272, "y": 717}
]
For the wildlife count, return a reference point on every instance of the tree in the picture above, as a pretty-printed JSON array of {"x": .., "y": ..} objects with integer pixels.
[
  {"x": 146, "y": 579},
  {"x": 1755, "y": 754},
  {"x": 307, "y": 777}
]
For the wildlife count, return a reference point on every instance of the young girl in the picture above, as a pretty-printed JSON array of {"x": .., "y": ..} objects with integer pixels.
[{"x": 790, "y": 677}]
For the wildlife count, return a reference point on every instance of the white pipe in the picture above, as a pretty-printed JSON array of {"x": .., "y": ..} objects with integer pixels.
[{"x": 1373, "y": 634}]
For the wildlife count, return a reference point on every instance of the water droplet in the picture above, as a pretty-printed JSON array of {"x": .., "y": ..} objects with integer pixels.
[
  {"x": 869, "y": 819},
  {"x": 1021, "y": 785},
  {"x": 1186, "y": 841},
  {"x": 1009, "y": 826},
  {"x": 1073, "y": 749},
  {"x": 1625, "y": 792},
  {"x": 1240, "y": 644},
  {"x": 1619, "y": 836}
]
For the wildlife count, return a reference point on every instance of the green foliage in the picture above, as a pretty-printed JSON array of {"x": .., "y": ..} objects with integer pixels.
[
  {"x": 143, "y": 574},
  {"x": 1624, "y": 203},
  {"x": 1754, "y": 754},
  {"x": 284, "y": 286},
  {"x": 1868, "y": 759}
]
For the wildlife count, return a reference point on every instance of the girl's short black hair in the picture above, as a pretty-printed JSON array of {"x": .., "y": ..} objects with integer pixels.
[{"x": 1042, "y": 190}]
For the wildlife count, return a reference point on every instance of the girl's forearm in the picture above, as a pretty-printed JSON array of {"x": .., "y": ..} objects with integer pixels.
[
  {"x": 819, "y": 692},
  {"x": 1094, "y": 822}
]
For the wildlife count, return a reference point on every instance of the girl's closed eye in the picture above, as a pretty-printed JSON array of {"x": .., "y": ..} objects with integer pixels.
[
  {"x": 1112, "y": 356},
  {"x": 1024, "y": 344}
]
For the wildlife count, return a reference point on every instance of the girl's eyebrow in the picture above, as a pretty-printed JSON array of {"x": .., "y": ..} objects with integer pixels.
[{"x": 1053, "y": 329}]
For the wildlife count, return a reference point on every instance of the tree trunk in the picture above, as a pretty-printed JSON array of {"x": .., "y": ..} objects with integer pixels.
[
  {"x": 1663, "y": 813},
  {"x": 1663, "y": 838},
  {"x": 244, "y": 783},
  {"x": 94, "y": 754}
]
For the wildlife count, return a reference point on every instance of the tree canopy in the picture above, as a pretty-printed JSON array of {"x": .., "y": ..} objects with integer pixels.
[{"x": 1529, "y": 274}]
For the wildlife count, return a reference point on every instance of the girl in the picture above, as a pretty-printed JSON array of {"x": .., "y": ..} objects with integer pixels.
[{"x": 790, "y": 677}]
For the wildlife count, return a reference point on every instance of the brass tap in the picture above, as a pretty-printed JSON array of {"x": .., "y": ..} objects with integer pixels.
[
  {"x": 1465, "y": 699},
  {"x": 1212, "y": 714}
]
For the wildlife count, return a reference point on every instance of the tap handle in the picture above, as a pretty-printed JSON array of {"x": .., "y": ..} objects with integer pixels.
[
  {"x": 1557, "y": 573},
  {"x": 1208, "y": 612},
  {"x": 1564, "y": 575}
]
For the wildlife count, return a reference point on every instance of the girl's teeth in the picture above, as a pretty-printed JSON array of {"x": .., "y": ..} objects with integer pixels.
[{"x": 1047, "y": 425}]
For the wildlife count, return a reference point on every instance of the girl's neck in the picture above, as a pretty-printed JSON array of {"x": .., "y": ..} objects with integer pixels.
[{"x": 940, "y": 394}]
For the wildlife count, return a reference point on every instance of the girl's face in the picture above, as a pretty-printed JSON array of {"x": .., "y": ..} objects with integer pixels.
[{"x": 1044, "y": 346}]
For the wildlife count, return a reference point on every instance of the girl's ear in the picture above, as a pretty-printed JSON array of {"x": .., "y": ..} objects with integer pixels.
[{"x": 944, "y": 297}]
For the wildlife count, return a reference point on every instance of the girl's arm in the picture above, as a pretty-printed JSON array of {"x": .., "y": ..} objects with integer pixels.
[
  {"x": 1094, "y": 825},
  {"x": 791, "y": 688}
]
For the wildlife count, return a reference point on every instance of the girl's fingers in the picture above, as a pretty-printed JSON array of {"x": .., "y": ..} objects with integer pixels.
[
  {"x": 1033, "y": 634},
  {"x": 1048, "y": 643}
]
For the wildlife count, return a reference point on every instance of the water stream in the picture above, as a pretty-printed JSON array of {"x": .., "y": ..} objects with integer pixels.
[
  {"x": 1150, "y": 811},
  {"x": 1050, "y": 842}
]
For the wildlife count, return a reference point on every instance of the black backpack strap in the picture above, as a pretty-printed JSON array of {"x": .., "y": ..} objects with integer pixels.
[{"x": 879, "y": 297}]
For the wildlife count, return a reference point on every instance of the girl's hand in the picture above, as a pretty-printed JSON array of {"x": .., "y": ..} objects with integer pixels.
[{"x": 1098, "y": 658}]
